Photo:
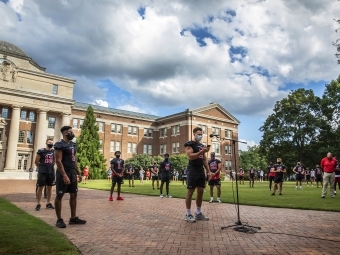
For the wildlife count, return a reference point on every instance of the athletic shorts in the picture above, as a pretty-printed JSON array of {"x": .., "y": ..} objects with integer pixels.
[
  {"x": 299, "y": 177},
  {"x": 319, "y": 178},
  {"x": 155, "y": 178},
  {"x": 216, "y": 182},
  {"x": 117, "y": 179},
  {"x": 62, "y": 188},
  {"x": 271, "y": 178},
  {"x": 46, "y": 179},
  {"x": 165, "y": 178},
  {"x": 337, "y": 180},
  {"x": 184, "y": 177},
  {"x": 251, "y": 177},
  {"x": 131, "y": 177},
  {"x": 278, "y": 179}
]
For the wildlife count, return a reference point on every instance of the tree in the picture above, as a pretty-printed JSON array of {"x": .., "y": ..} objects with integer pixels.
[
  {"x": 253, "y": 157},
  {"x": 179, "y": 161},
  {"x": 140, "y": 160},
  {"x": 88, "y": 146}
]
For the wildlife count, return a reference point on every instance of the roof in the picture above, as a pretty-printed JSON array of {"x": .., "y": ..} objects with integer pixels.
[
  {"x": 11, "y": 49},
  {"x": 215, "y": 105}
]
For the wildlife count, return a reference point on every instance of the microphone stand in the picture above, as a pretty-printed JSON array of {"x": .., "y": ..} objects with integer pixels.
[{"x": 238, "y": 226}]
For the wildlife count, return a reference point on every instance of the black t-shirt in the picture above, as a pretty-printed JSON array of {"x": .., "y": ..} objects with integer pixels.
[
  {"x": 130, "y": 170},
  {"x": 299, "y": 169},
  {"x": 251, "y": 171},
  {"x": 69, "y": 151},
  {"x": 165, "y": 167},
  {"x": 196, "y": 147},
  {"x": 213, "y": 164},
  {"x": 118, "y": 165},
  {"x": 318, "y": 171},
  {"x": 277, "y": 168},
  {"x": 307, "y": 172},
  {"x": 46, "y": 161}
]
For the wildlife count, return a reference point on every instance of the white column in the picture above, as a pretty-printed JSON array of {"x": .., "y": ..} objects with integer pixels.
[
  {"x": 12, "y": 144},
  {"x": 40, "y": 133},
  {"x": 65, "y": 121}
]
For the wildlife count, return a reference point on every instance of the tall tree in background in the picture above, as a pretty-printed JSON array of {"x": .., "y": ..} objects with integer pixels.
[
  {"x": 253, "y": 157},
  {"x": 88, "y": 146}
]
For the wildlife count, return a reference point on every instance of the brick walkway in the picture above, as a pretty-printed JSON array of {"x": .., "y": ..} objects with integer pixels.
[{"x": 151, "y": 225}]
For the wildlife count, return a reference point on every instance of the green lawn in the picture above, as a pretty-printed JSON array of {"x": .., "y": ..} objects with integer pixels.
[
  {"x": 21, "y": 233},
  {"x": 307, "y": 198}
]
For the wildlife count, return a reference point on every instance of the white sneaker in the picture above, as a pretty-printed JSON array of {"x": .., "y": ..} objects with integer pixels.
[
  {"x": 168, "y": 196},
  {"x": 190, "y": 218},
  {"x": 161, "y": 196},
  {"x": 211, "y": 200},
  {"x": 335, "y": 192},
  {"x": 219, "y": 200}
]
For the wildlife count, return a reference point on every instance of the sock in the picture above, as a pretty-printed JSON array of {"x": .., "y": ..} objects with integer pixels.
[
  {"x": 295, "y": 186},
  {"x": 218, "y": 198},
  {"x": 188, "y": 212},
  {"x": 198, "y": 210},
  {"x": 300, "y": 187},
  {"x": 211, "y": 198}
]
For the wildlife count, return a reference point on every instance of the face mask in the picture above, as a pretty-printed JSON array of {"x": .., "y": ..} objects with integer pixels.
[
  {"x": 49, "y": 145},
  {"x": 118, "y": 156},
  {"x": 198, "y": 138},
  {"x": 70, "y": 136},
  {"x": 298, "y": 164},
  {"x": 279, "y": 162},
  {"x": 166, "y": 159}
]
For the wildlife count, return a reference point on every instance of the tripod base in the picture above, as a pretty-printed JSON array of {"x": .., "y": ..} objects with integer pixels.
[{"x": 245, "y": 228}]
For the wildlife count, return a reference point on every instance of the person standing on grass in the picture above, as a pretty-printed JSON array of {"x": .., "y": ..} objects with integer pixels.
[
  {"x": 318, "y": 175},
  {"x": 251, "y": 176},
  {"x": 312, "y": 176},
  {"x": 215, "y": 179},
  {"x": 328, "y": 164},
  {"x": 299, "y": 172},
  {"x": 184, "y": 176},
  {"x": 337, "y": 178},
  {"x": 271, "y": 175},
  {"x": 109, "y": 174},
  {"x": 45, "y": 162},
  {"x": 117, "y": 167},
  {"x": 279, "y": 171},
  {"x": 195, "y": 151},
  {"x": 130, "y": 172},
  {"x": 258, "y": 175},
  {"x": 85, "y": 174},
  {"x": 141, "y": 175},
  {"x": 261, "y": 175},
  {"x": 147, "y": 175},
  {"x": 154, "y": 175},
  {"x": 67, "y": 176},
  {"x": 165, "y": 167},
  {"x": 308, "y": 176}
]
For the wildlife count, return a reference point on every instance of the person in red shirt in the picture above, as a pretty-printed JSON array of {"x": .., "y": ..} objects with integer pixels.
[
  {"x": 214, "y": 178},
  {"x": 271, "y": 175},
  {"x": 328, "y": 164},
  {"x": 147, "y": 176},
  {"x": 85, "y": 174}
]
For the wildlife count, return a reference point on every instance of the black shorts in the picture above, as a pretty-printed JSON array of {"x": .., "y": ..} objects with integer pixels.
[
  {"x": 319, "y": 178},
  {"x": 165, "y": 178},
  {"x": 271, "y": 178},
  {"x": 46, "y": 179},
  {"x": 251, "y": 177},
  {"x": 117, "y": 179},
  {"x": 299, "y": 177},
  {"x": 216, "y": 182},
  {"x": 155, "y": 178},
  {"x": 131, "y": 177},
  {"x": 62, "y": 188},
  {"x": 278, "y": 179},
  {"x": 184, "y": 178},
  {"x": 307, "y": 177}
]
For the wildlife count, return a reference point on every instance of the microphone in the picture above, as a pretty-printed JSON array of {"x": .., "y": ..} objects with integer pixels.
[{"x": 212, "y": 135}]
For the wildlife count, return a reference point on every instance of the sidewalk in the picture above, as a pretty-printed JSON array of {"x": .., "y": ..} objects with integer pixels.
[{"x": 153, "y": 225}]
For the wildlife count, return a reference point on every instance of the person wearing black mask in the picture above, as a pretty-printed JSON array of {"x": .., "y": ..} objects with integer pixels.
[
  {"x": 117, "y": 167},
  {"x": 165, "y": 167},
  {"x": 45, "y": 161},
  {"x": 67, "y": 176},
  {"x": 279, "y": 170},
  {"x": 154, "y": 175},
  {"x": 299, "y": 172}
]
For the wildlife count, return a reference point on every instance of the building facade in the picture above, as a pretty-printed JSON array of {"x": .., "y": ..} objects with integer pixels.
[{"x": 34, "y": 105}]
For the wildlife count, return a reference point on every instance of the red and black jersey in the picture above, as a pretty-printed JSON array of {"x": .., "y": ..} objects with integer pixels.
[
  {"x": 118, "y": 165},
  {"x": 69, "y": 151},
  {"x": 299, "y": 169},
  {"x": 279, "y": 167},
  {"x": 165, "y": 167},
  {"x": 213, "y": 166},
  {"x": 46, "y": 161},
  {"x": 196, "y": 147}
]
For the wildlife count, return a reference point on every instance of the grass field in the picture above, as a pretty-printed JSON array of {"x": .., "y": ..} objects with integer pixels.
[
  {"x": 22, "y": 233},
  {"x": 307, "y": 198}
]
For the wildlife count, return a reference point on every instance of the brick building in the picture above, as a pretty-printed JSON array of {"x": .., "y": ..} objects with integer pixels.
[{"x": 35, "y": 104}]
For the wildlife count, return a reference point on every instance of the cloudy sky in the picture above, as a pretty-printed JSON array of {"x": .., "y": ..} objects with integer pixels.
[{"x": 163, "y": 56}]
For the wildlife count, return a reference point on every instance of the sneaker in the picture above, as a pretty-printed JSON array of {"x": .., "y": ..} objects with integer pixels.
[
  {"x": 76, "y": 220},
  {"x": 334, "y": 192},
  {"x": 161, "y": 196},
  {"x": 60, "y": 223},
  {"x": 168, "y": 196},
  {"x": 37, "y": 208},
  {"x": 280, "y": 194},
  {"x": 332, "y": 196},
  {"x": 120, "y": 198},
  {"x": 190, "y": 218},
  {"x": 201, "y": 216},
  {"x": 111, "y": 199},
  {"x": 219, "y": 200},
  {"x": 211, "y": 200},
  {"x": 273, "y": 194},
  {"x": 49, "y": 206},
  {"x": 322, "y": 196}
]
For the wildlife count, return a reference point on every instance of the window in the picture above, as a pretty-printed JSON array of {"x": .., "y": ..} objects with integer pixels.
[
  {"x": 148, "y": 132},
  {"x": 162, "y": 149},
  {"x": 134, "y": 148},
  {"x": 113, "y": 128},
  {"x": 204, "y": 128},
  {"x": 100, "y": 144},
  {"x": 215, "y": 130},
  {"x": 175, "y": 147},
  {"x": 119, "y": 128},
  {"x": 175, "y": 129},
  {"x": 116, "y": 128},
  {"x": 228, "y": 133},
  {"x": 21, "y": 136},
  {"x": 117, "y": 146},
  {"x": 29, "y": 137},
  {"x": 132, "y": 130},
  {"x": 129, "y": 147},
  {"x": 81, "y": 123},
  {"x": 147, "y": 149},
  {"x": 55, "y": 89},
  {"x": 1, "y": 130},
  {"x": 51, "y": 122},
  {"x": 31, "y": 116},
  {"x": 228, "y": 149},
  {"x": 101, "y": 126},
  {"x": 75, "y": 123},
  {"x": 22, "y": 162},
  {"x": 112, "y": 146},
  {"x": 228, "y": 164},
  {"x": 4, "y": 112},
  {"x": 162, "y": 132},
  {"x": 216, "y": 148},
  {"x": 23, "y": 114}
]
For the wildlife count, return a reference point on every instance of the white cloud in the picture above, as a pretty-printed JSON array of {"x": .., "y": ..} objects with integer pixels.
[
  {"x": 244, "y": 147},
  {"x": 101, "y": 103}
]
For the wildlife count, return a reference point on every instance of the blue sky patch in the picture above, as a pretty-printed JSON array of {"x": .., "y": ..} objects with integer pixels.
[
  {"x": 200, "y": 34},
  {"x": 141, "y": 12}
]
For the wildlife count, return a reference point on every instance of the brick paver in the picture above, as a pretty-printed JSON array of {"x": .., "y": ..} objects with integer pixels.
[{"x": 152, "y": 225}]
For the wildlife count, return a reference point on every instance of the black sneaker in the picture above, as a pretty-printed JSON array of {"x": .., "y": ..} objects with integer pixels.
[
  {"x": 280, "y": 194},
  {"x": 60, "y": 223},
  {"x": 76, "y": 220},
  {"x": 37, "y": 208},
  {"x": 273, "y": 194},
  {"x": 49, "y": 206}
]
